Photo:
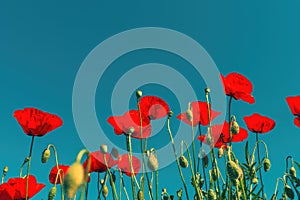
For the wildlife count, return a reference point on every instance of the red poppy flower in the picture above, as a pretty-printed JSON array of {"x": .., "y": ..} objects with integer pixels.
[
  {"x": 257, "y": 123},
  {"x": 97, "y": 163},
  {"x": 200, "y": 114},
  {"x": 220, "y": 134},
  {"x": 238, "y": 87},
  {"x": 35, "y": 122},
  {"x": 15, "y": 188},
  {"x": 131, "y": 119},
  {"x": 54, "y": 171},
  {"x": 294, "y": 104},
  {"x": 154, "y": 107},
  {"x": 124, "y": 164}
]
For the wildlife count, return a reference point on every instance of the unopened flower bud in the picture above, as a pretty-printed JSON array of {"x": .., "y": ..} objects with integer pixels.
[
  {"x": 141, "y": 195},
  {"x": 183, "y": 161},
  {"x": 179, "y": 193},
  {"x": 211, "y": 195},
  {"x": 255, "y": 180},
  {"x": 234, "y": 127},
  {"x": 170, "y": 114},
  {"x": 139, "y": 94},
  {"x": 5, "y": 170},
  {"x": 293, "y": 172},
  {"x": 103, "y": 148},
  {"x": 130, "y": 131},
  {"x": 73, "y": 179},
  {"x": 267, "y": 164},
  {"x": 189, "y": 115},
  {"x": 46, "y": 155},
  {"x": 152, "y": 162},
  {"x": 289, "y": 192},
  {"x": 220, "y": 152},
  {"x": 115, "y": 152},
  {"x": 105, "y": 191},
  {"x": 52, "y": 193},
  {"x": 207, "y": 90},
  {"x": 234, "y": 171}
]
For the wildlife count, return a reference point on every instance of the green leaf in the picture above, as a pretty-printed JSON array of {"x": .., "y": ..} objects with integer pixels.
[{"x": 247, "y": 154}]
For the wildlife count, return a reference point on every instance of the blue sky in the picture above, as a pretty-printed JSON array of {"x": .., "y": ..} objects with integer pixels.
[{"x": 42, "y": 45}]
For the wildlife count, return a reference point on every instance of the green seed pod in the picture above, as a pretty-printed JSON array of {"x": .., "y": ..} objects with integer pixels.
[
  {"x": 46, "y": 155},
  {"x": 267, "y": 165},
  {"x": 141, "y": 195},
  {"x": 293, "y": 172},
  {"x": 183, "y": 161},
  {"x": 5, "y": 169},
  {"x": 52, "y": 193},
  {"x": 73, "y": 179},
  {"x": 170, "y": 114},
  {"x": 139, "y": 94},
  {"x": 234, "y": 171},
  {"x": 289, "y": 192},
  {"x": 152, "y": 162},
  {"x": 211, "y": 195},
  {"x": 234, "y": 127},
  {"x": 105, "y": 191},
  {"x": 103, "y": 148}
]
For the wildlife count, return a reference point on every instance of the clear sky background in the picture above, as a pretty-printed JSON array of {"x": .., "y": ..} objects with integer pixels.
[{"x": 43, "y": 43}]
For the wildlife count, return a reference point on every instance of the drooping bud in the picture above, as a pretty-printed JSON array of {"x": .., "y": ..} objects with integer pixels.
[
  {"x": 52, "y": 193},
  {"x": 103, "y": 148},
  {"x": 211, "y": 195},
  {"x": 115, "y": 152},
  {"x": 5, "y": 170},
  {"x": 267, "y": 164},
  {"x": 293, "y": 172},
  {"x": 234, "y": 126},
  {"x": 73, "y": 179},
  {"x": 183, "y": 161},
  {"x": 152, "y": 162},
  {"x": 141, "y": 195},
  {"x": 105, "y": 191},
  {"x": 46, "y": 155},
  {"x": 234, "y": 171},
  {"x": 289, "y": 192},
  {"x": 170, "y": 114},
  {"x": 139, "y": 94}
]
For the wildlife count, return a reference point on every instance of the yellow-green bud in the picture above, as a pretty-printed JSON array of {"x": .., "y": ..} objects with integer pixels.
[
  {"x": 293, "y": 172},
  {"x": 103, "y": 148},
  {"x": 141, "y": 195},
  {"x": 189, "y": 115},
  {"x": 234, "y": 127},
  {"x": 105, "y": 191},
  {"x": 52, "y": 193},
  {"x": 139, "y": 94},
  {"x": 46, "y": 155},
  {"x": 234, "y": 171},
  {"x": 5, "y": 170},
  {"x": 255, "y": 180},
  {"x": 207, "y": 90},
  {"x": 183, "y": 161},
  {"x": 220, "y": 152},
  {"x": 73, "y": 179},
  {"x": 152, "y": 162},
  {"x": 289, "y": 192},
  {"x": 267, "y": 164},
  {"x": 130, "y": 130},
  {"x": 211, "y": 195},
  {"x": 179, "y": 193}
]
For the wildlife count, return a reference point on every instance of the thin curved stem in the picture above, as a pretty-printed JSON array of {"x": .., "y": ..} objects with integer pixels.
[
  {"x": 115, "y": 195},
  {"x": 259, "y": 161},
  {"x": 129, "y": 148},
  {"x": 28, "y": 166}
]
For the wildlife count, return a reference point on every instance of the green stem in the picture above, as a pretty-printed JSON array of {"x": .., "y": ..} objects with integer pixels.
[
  {"x": 115, "y": 195},
  {"x": 259, "y": 161},
  {"x": 193, "y": 147},
  {"x": 28, "y": 166},
  {"x": 129, "y": 148},
  {"x": 123, "y": 184},
  {"x": 78, "y": 159},
  {"x": 203, "y": 167},
  {"x": 156, "y": 187},
  {"x": 176, "y": 157}
]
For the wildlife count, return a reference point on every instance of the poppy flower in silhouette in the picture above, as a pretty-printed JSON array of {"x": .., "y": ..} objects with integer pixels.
[
  {"x": 200, "y": 114},
  {"x": 15, "y": 188},
  {"x": 35, "y": 122},
  {"x": 294, "y": 104},
  {"x": 124, "y": 164},
  {"x": 63, "y": 171},
  {"x": 129, "y": 123},
  {"x": 257, "y": 123},
  {"x": 220, "y": 134},
  {"x": 154, "y": 107},
  {"x": 97, "y": 163},
  {"x": 238, "y": 86}
]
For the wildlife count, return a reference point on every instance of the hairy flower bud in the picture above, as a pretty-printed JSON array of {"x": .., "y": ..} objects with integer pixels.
[
  {"x": 103, "y": 148},
  {"x": 52, "y": 193},
  {"x": 141, "y": 195},
  {"x": 255, "y": 180},
  {"x": 207, "y": 90},
  {"x": 152, "y": 162},
  {"x": 234, "y": 127},
  {"x": 234, "y": 171},
  {"x": 46, "y": 155},
  {"x": 105, "y": 191},
  {"x": 211, "y": 195},
  {"x": 5, "y": 170},
  {"x": 293, "y": 172},
  {"x": 73, "y": 179},
  {"x": 289, "y": 192},
  {"x": 267, "y": 164},
  {"x": 139, "y": 94},
  {"x": 183, "y": 161}
]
